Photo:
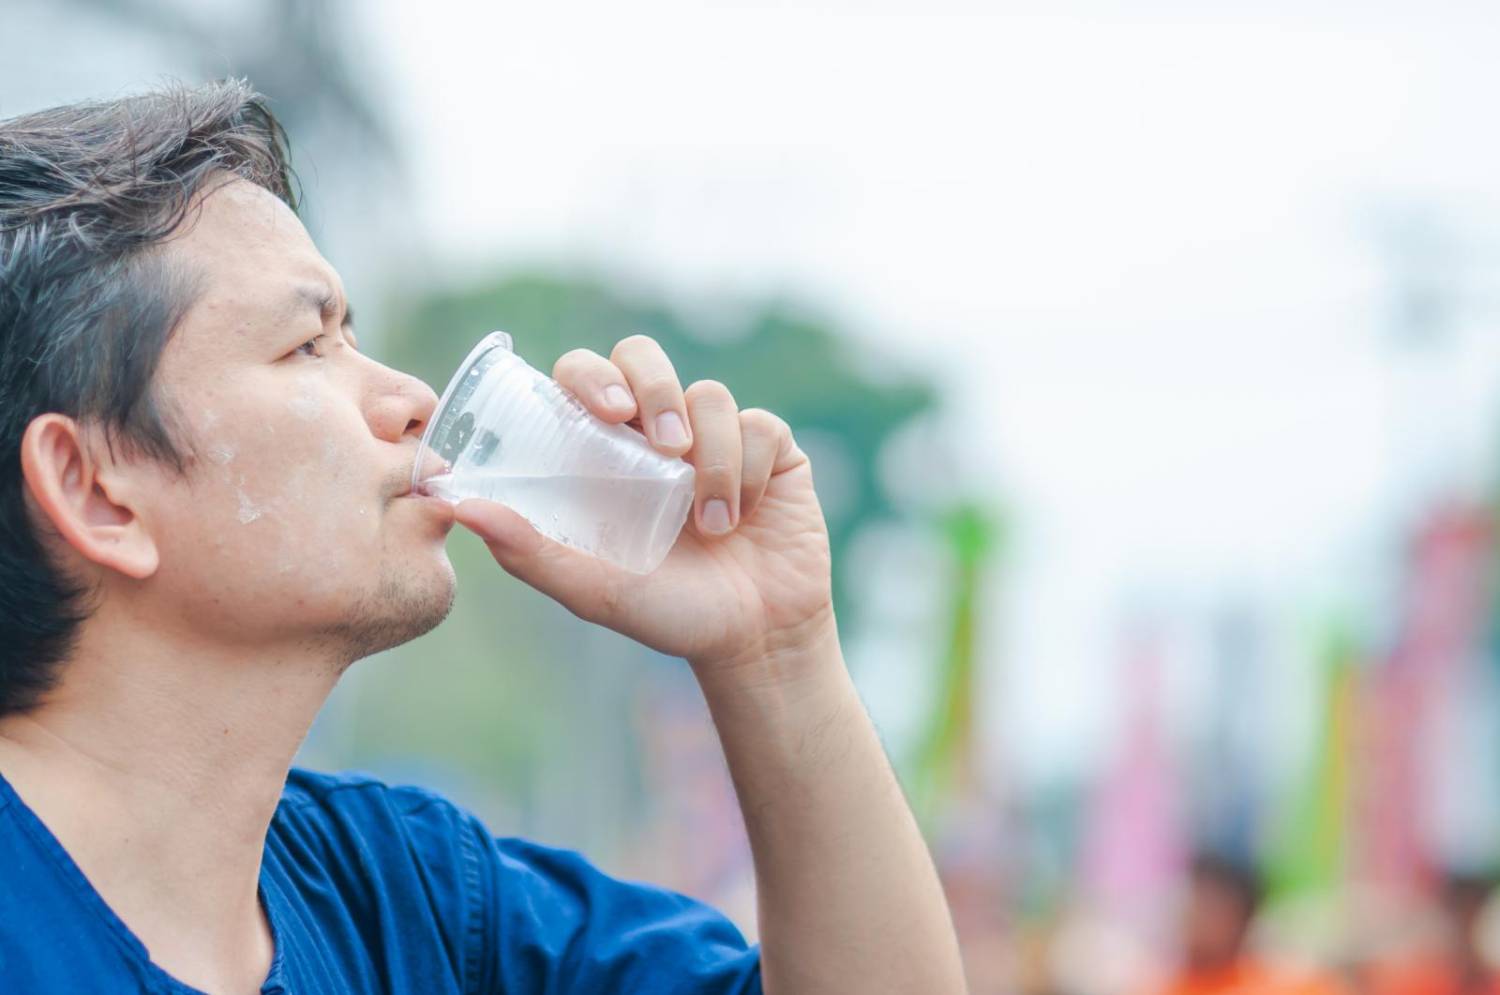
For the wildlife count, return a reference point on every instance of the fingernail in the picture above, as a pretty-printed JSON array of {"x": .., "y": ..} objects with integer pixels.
[
  {"x": 669, "y": 429},
  {"x": 617, "y": 397},
  {"x": 716, "y": 516}
]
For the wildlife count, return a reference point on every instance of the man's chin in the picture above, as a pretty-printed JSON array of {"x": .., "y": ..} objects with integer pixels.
[{"x": 402, "y": 608}]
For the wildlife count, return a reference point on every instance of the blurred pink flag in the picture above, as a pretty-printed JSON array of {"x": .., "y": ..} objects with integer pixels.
[
  {"x": 1440, "y": 631},
  {"x": 1135, "y": 849}
]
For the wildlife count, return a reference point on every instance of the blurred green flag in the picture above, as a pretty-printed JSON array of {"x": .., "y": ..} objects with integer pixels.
[
  {"x": 1310, "y": 856},
  {"x": 944, "y": 757}
]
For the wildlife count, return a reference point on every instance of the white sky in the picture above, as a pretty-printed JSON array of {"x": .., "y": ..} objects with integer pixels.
[{"x": 1136, "y": 243}]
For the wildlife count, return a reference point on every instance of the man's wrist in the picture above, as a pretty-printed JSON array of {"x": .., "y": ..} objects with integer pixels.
[
  {"x": 769, "y": 702},
  {"x": 776, "y": 662},
  {"x": 774, "y": 712}
]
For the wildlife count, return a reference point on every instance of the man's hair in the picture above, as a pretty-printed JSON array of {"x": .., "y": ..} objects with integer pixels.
[
  {"x": 88, "y": 300},
  {"x": 1237, "y": 877}
]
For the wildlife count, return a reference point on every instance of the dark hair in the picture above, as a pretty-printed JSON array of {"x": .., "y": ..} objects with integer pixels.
[
  {"x": 1468, "y": 887},
  {"x": 88, "y": 194},
  {"x": 1237, "y": 877}
]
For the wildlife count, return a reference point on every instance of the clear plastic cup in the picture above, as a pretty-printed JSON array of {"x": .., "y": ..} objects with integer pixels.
[{"x": 508, "y": 433}]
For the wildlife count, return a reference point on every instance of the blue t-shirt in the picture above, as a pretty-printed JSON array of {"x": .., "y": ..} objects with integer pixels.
[{"x": 369, "y": 889}]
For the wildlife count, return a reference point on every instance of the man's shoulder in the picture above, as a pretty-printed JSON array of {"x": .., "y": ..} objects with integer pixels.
[
  {"x": 350, "y": 806},
  {"x": 520, "y": 911},
  {"x": 394, "y": 864},
  {"x": 355, "y": 789}
]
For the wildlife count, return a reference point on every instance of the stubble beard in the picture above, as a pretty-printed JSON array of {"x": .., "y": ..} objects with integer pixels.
[{"x": 401, "y": 607}]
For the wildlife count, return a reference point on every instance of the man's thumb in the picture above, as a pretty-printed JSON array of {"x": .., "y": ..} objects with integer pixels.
[{"x": 568, "y": 576}]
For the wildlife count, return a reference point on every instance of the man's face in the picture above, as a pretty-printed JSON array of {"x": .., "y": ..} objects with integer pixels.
[
  {"x": 1215, "y": 923},
  {"x": 291, "y": 527}
]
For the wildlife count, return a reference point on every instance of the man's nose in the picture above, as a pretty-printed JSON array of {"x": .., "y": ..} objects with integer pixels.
[{"x": 402, "y": 408}]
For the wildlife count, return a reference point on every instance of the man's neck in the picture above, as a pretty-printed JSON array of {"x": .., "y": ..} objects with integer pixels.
[{"x": 158, "y": 765}]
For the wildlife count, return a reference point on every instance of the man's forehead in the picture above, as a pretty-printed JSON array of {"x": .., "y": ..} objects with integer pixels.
[
  {"x": 255, "y": 256},
  {"x": 236, "y": 209}
]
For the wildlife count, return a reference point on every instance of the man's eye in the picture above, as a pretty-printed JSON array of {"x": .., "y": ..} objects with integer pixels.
[{"x": 310, "y": 347}]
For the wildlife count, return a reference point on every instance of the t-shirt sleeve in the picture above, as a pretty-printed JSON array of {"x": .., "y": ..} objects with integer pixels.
[{"x": 549, "y": 921}]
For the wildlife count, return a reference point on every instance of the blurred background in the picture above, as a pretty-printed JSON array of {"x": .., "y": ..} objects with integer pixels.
[{"x": 1148, "y": 355}]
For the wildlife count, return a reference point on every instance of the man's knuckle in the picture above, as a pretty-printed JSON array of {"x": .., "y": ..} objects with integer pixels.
[
  {"x": 658, "y": 386},
  {"x": 635, "y": 343},
  {"x": 574, "y": 360},
  {"x": 712, "y": 393},
  {"x": 610, "y": 600},
  {"x": 765, "y": 421},
  {"x": 717, "y": 468}
]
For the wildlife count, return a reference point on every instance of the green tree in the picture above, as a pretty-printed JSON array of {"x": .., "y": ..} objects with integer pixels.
[
  {"x": 780, "y": 358},
  {"x": 535, "y": 702}
]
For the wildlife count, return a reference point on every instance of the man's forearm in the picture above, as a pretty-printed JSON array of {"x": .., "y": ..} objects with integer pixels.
[{"x": 849, "y": 900}]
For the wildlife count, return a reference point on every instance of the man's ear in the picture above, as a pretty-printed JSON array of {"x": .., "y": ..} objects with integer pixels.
[{"x": 86, "y": 496}]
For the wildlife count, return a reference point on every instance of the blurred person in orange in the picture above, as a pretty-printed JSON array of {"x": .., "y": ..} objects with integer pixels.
[
  {"x": 1456, "y": 966},
  {"x": 1222, "y": 900}
]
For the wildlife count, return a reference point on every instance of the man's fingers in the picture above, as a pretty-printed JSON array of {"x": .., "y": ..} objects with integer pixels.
[
  {"x": 653, "y": 380},
  {"x": 587, "y": 586},
  {"x": 761, "y": 435},
  {"x": 498, "y": 526},
  {"x": 716, "y": 456},
  {"x": 597, "y": 382}
]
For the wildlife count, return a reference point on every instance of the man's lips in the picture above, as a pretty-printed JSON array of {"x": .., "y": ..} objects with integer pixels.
[
  {"x": 421, "y": 491},
  {"x": 431, "y": 467},
  {"x": 414, "y": 483}
]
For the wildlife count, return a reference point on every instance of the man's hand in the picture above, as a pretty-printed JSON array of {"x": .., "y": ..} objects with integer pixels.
[
  {"x": 848, "y": 898},
  {"x": 749, "y": 578}
]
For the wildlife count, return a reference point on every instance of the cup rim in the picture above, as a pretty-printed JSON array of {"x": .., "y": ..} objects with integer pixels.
[{"x": 494, "y": 340}]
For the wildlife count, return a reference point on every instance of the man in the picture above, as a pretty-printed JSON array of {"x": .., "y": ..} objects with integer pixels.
[
  {"x": 205, "y": 517},
  {"x": 1457, "y": 963},
  {"x": 1223, "y": 897}
]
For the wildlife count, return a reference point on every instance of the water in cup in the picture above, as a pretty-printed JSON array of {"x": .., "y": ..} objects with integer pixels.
[{"x": 508, "y": 433}]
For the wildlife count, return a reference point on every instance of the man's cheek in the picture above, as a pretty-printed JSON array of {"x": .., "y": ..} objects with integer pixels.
[
  {"x": 292, "y": 497},
  {"x": 306, "y": 402},
  {"x": 326, "y": 525},
  {"x": 247, "y": 508},
  {"x": 338, "y": 462}
]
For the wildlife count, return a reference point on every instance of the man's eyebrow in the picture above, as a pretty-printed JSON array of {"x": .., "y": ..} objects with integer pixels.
[{"x": 319, "y": 297}]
